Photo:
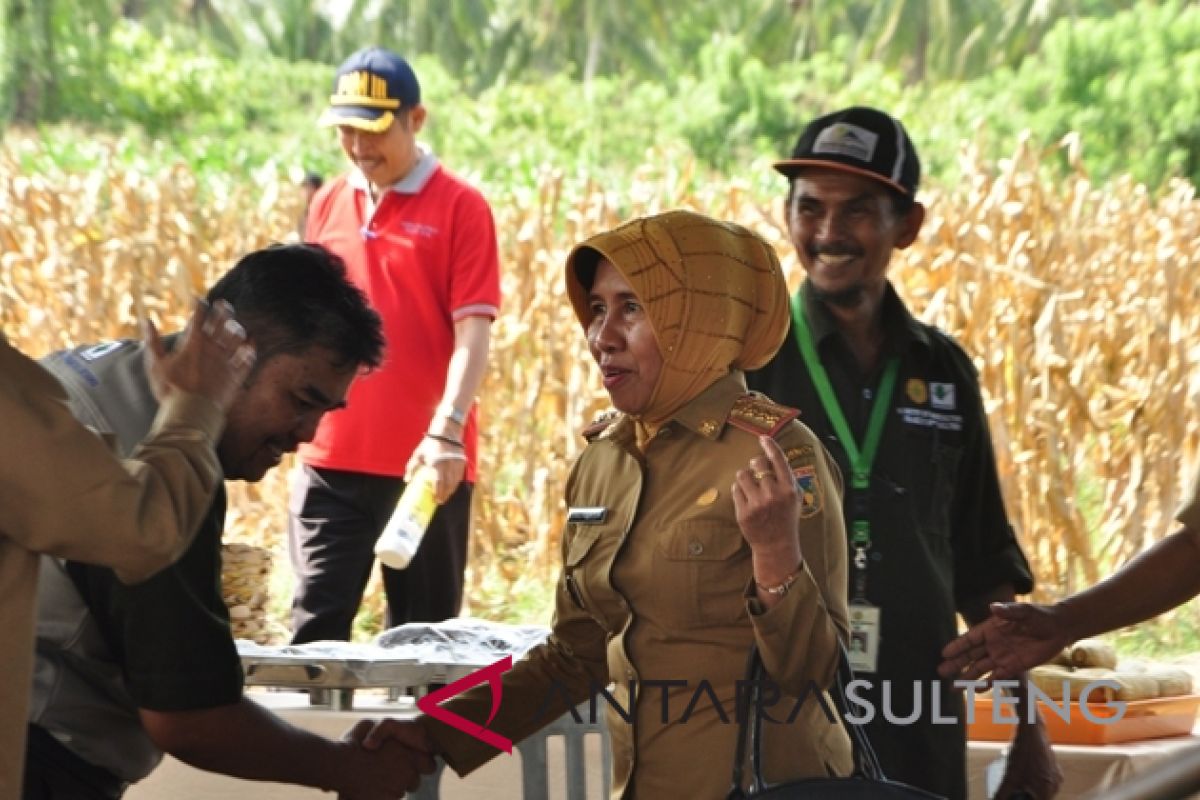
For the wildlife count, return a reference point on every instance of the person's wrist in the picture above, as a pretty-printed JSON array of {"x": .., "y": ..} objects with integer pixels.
[
  {"x": 1071, "y": 622},
  {"x": 445, "y": 427},
  {"x": 451, "y": 441},
  {"x": 782, "y": 587},
  {"x": 773, "y": 570},
  {"x": 186, "y": 410},
  {"x": 334, "y": 774},
  {"x": 773, "y": 565},
  {"x": 451, "y": 414}
]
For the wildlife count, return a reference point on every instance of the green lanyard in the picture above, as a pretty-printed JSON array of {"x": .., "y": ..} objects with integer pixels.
[{"x": 860, "y": 460}]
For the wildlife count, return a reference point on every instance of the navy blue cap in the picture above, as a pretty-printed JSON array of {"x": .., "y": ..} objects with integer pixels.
[
  {"x": 861, "y": 140},
  {"x": 369, "y": 87}
]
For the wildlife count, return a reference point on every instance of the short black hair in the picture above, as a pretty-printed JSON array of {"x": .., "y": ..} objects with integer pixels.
[{"x": 290, "y": 297}]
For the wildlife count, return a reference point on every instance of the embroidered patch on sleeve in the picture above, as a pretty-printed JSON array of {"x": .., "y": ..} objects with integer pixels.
[
  {"x": 796, "y": 453},
  {"x": 809, "y": 488}
]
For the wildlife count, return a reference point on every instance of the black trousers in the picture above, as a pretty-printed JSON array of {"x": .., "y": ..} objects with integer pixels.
[
  {"x": 52, "y": 772},
  {"x": 334, "y": 519}
]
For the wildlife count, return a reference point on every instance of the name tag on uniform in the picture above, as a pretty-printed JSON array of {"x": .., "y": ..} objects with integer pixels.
[{"x": 587, "y": 515}]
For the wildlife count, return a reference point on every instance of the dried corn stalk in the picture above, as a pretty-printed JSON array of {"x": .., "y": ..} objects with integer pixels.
[{"x": 1074, "y": 302}]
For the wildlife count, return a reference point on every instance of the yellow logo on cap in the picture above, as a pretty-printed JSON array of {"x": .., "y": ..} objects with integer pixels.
[{"x": 363, "y": 88}]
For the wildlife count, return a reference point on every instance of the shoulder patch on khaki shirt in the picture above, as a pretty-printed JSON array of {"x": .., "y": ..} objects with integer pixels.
[
  {"x": 600, "y": 424},
  {"x": 809, "y": 488},
  {"x": 760, "y": 415},
  {"x": 797, "y": 453}
]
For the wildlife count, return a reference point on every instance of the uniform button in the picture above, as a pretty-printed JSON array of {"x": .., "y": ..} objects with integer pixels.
[
  {"x": 630, "y": 675},
  {"x": 695, "y": 547}
]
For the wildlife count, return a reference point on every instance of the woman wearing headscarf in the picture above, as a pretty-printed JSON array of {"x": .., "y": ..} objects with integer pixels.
[{"x": 702, "y": 520}]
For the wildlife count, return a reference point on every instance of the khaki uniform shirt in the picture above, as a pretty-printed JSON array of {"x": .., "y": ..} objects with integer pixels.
[
  {"x": 657, "y": 596},
  {"x": 62, "y": 492}
]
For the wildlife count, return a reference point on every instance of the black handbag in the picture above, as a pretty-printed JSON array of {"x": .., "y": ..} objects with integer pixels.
[{"x": 867, "y": 782}]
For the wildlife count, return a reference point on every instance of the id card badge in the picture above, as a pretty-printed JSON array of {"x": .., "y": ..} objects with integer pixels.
[{"x": 864, "y": 636}]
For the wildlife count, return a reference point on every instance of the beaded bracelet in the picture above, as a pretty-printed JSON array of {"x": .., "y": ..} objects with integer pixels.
[
  {"x": 437, "y": 437},
  {"x": 781, "y": 589}
]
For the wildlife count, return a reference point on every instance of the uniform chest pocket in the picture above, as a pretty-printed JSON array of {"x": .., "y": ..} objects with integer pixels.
[
  {"x": 582, "y": 542},
  {"x": 945, "y": 459},
  {"x": 931, "y": 480},
  {"x": 581, "y": 568},
  {"x": 701, "y": 569}
]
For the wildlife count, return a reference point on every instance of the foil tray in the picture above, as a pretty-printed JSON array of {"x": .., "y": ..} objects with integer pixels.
[
  {"x": 308, "y": 672},
  {"x": 409, "y": 658},
  {"x": 331, "y": 674}
]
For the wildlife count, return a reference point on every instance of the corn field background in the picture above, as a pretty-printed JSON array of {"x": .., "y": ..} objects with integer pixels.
[{"x": 1077, "y": 303}]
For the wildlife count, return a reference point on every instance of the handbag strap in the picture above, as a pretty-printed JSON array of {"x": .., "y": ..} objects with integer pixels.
[
  {"x": 866, "y": 763},
  {"x": 753, "y": 667}
]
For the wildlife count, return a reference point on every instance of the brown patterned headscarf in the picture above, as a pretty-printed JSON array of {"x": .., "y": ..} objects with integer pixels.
[{"x": 714, "y": 293}]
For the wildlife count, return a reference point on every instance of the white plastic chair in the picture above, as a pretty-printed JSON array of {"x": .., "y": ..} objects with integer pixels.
[{"x": 535, "y": 776}]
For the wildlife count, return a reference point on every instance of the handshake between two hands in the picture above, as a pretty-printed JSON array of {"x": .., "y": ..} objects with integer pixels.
[{"x": 390, "y": 757}]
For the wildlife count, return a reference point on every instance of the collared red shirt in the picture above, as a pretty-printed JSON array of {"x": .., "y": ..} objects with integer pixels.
[
  {"x": 426, "y": 256},
  {"x": 412, "y": 183}
]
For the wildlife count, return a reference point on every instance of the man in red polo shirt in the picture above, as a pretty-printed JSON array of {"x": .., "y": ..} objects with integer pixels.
[{"x": 422, "y": 244}]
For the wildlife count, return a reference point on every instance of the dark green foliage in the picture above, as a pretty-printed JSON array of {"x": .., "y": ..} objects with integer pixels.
[
  {"x": 518, "y": 94},
  {"x": 1131, "y": 84}
]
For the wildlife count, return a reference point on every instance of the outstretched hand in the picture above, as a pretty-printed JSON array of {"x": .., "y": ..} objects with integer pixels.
[
  {"x": 393, "y": 756},
  {"x": 1015, "y": 638},
  {"x": 371, "y": 734},
  {"x": 212, "y": 358}
]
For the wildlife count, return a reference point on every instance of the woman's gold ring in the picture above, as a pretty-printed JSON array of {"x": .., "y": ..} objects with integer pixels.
[{"x": 759, "y": 474}]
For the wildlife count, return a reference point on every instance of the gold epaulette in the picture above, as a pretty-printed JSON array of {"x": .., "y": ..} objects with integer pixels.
[
  {"x": 599, "y": 424},
  {"x": 760, "y": 415}
]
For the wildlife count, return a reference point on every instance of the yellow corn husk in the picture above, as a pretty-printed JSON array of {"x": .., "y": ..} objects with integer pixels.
[
  {"x": 1172, "y": 681},
  {"x": 1063, "y": 659},
  {"x": 1093, "y": 653},
  {"x": 1135, "y": 686},
  {"x": 1085, "y": 679},
  {"x": 1076, "y": 303},
  {"x": 245, "y": 573},
  {"x": 1052, "y": 680}
]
